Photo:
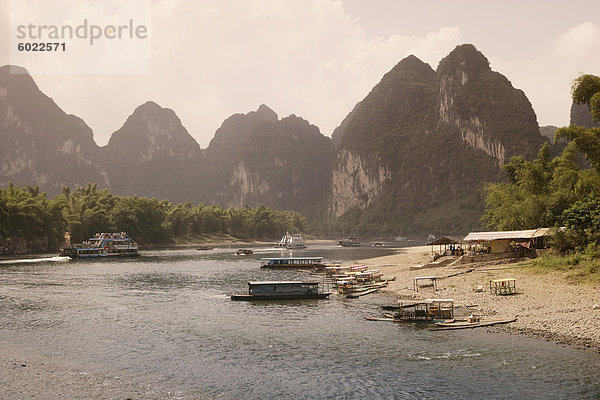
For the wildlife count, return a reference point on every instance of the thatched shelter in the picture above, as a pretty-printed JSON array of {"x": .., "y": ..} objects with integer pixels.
[{"x": 443, "y": 241}]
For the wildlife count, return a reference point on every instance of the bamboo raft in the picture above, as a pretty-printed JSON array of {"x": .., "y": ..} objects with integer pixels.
[
  {"x": 361, "y": 293},
  {"x": 392, "y": 319},
  {"x": 448, "y": 326}
]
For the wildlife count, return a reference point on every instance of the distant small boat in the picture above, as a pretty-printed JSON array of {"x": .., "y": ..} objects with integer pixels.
[
  {"x": 400, "y": 238},
  {"x": 244, "y": 252},
  {"x": 377, "y": 244},
  {"x": 349, "y": 242},
  {"x": 282, "y": 290},
  {"x": 204, "y": 248}
]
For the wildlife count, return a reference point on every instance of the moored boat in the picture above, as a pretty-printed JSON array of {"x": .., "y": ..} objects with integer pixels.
[
  {"x": 290, "y": 242},
  {"x": 349, "y": 242},
  {"x": 244, "y": 252},
  {"x": 103, "y": 245},
  {"x": 293, "y": 262},
  {"x": 428, "y": 311},
  {"x": 282, "y": 290}
]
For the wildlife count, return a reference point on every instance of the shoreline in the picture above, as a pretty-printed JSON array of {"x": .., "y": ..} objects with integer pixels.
[
  {"x": 217, "y": 242},
  {"x": 546, "y": 306}
]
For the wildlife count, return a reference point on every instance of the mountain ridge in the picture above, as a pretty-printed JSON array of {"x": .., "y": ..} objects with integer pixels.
[{"x": 409, "y": 157}]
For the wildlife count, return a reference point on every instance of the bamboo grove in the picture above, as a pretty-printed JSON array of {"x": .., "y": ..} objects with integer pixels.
[{"x": 26, "y": 215}]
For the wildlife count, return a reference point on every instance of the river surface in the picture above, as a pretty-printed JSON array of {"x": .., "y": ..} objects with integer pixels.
[{"x": 166, "y": 319}]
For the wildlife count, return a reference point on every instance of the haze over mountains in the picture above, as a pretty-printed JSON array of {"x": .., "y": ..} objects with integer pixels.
[{"x": 411, "y": 157}]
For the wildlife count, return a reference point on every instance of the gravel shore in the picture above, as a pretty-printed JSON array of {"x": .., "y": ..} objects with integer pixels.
[{"x": 546, "y": 306}]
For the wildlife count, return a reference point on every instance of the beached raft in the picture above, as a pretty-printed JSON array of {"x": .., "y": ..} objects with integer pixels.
[
  {"x": 392, "y": 319},
  {"x": 357, "y": 294},
  {"x": 447, "y": 326}
]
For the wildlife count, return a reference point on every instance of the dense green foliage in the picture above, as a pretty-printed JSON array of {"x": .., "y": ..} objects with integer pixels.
[
  {"x": 28, "y": 215},
  {"x": 581, "y": 266},
  {"x": 556, "y": 192}
]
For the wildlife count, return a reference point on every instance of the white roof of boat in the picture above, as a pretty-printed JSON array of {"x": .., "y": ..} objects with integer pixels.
[
  {"x": 292, "y": 258},
  {"x": 282, "y": 282}
]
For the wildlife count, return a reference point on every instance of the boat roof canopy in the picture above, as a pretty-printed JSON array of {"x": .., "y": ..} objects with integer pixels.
[
  {"x": 256, "y": 283},
  {"x": 292, "y": 258},
  {"x": 426, "y": 301}
]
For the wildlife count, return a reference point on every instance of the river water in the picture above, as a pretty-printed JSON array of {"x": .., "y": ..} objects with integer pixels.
[{"x": 166, "y": 319}]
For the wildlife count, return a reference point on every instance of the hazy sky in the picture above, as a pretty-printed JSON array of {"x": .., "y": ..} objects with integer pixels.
[{"x": 317, "y": 58}]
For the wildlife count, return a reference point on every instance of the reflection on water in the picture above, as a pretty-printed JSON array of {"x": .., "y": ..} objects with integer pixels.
[{"x": 166, "y": 318}]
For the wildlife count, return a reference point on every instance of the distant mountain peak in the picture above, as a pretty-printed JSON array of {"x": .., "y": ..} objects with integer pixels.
[
  {"x": 412, "y": 64},
  {"x": 13, "y": 70},
  {"x": 265, "y": 112},
  {"x": 152, "y": 110},
  {"x": 152, "y": 132},
  {"x": 464, "y": 57},
  {"x": 149, "y": 105},
  {"x": 411, "y": 61},
  {"x": 17, "y": 77}
]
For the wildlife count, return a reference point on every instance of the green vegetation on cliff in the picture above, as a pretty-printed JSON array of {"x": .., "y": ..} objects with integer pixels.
[{"x": 30, "y": 222}]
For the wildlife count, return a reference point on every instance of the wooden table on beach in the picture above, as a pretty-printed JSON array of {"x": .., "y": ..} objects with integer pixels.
[
  {"x": 503, "y": 286},
  {"x": 432, "y": 279}
]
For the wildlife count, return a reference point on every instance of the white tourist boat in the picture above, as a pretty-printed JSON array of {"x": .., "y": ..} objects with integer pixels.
[
  {"x": 289, "y": 241},
  {"x": 103, "y": 245}
]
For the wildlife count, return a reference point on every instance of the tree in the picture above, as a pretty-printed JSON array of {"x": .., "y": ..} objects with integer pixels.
[{"x": 585, "y": 90}]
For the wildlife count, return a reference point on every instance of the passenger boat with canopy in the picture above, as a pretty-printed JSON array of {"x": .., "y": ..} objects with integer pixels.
[
  {"x": 282, "y": 290},
  {"x": 103, "y": 245},
  {"x": 293, "y": 262}
]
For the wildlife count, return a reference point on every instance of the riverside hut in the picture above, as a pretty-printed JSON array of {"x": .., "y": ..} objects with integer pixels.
[
  {"x": 507, "y": 241},
  {"x": 444, "y": 241}
]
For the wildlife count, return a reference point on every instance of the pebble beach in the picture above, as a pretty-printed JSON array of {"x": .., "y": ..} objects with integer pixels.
[{"x": 546, "y": 306}]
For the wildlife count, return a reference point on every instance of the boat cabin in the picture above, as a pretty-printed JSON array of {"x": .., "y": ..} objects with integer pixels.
[
  {"x": 285, "y": 287},
  {"x": 282, "y": 290},
  {"x": 349, "y": 242},
  {"x": 426, "y": 310}
]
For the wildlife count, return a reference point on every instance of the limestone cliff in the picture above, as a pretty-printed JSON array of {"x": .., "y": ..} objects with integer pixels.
[
  {"x": 40, "y": 143},
  {"x": 257, "y": 158},
  {"x": 414, "y": 154},
  {"x": 484, "y": 108},
  {"x": 353, "y": 184},
  {"x": 153, "y": 155},
  {"x": 152, "y": 133}
]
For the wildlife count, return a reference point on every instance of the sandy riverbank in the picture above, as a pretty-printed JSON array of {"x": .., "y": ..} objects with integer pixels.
[{"x": 546, "y": 305}]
